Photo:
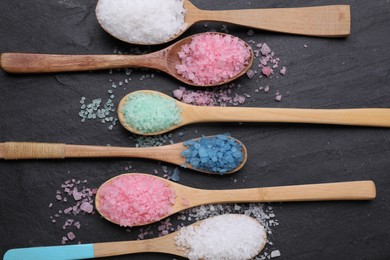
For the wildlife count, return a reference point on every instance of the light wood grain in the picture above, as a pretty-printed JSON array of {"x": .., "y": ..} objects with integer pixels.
[
  {"x": 187, "y": 197},
  {"x": 167, "y": 153},
  {"x": 164, "y": 60},
  {"x": 323, "y": 21},
  {"x": 371, "y": 117},
  {"x": 165, "y": 244}
]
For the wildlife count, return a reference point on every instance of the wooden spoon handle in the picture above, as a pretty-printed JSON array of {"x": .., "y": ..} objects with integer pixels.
[
  {"x": 324, "y": 21},
  {"x": 27, "y": 150},
  {"x": 378, "y": 117},
  {"x": 165, "y": 244},
  {"x": 354, "y": 190},
  {"x": 31, "y": 150},
  {"x": 46, "y": 63}
]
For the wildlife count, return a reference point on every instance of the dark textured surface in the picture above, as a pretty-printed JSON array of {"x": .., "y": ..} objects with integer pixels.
[{"x": 329, "y": 73}]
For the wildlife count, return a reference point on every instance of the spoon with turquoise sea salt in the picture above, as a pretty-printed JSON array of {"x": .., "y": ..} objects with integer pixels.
[
  {"x": 160, "y": 21},
  {"x": 150, "y": 112},
  {"x": 232, "y": 58},
  {"x": 219, "y": 154},
  {"x": 229, "y": 236}
]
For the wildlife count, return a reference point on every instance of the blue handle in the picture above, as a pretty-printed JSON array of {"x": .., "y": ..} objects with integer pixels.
[{"x": 51, "y": 253}]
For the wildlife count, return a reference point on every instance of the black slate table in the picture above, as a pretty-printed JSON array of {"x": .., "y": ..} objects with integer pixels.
[{"x": 329, "y": 73}]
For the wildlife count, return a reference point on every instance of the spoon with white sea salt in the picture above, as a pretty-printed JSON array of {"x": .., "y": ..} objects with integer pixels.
[
  {"x": 229, "y": 237},
  {"x": 160, "y": 21},
  {"x": 150, "y": 112},
  {"x": 205, "y": 59},
  {"x": 219, "y": 154}
]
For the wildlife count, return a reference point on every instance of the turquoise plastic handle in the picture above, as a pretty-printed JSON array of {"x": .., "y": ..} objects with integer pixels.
[{"x": 51, "y": 253}]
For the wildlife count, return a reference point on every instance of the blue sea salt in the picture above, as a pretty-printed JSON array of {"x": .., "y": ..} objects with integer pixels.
[{"x": 219, "y": 154}]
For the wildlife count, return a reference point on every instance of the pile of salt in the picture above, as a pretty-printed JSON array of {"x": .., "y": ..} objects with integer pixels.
[
  {"x": 142, "y": 21},
  {"x": 227, "y": 237}
]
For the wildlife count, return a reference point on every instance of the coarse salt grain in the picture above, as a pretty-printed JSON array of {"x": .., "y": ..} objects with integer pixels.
[
  {"x": 142, "y": 21},
  {"x": 213, "y": 58},
  {"x": 135, "y": 199},
  {"x": 225, "y": 237}
]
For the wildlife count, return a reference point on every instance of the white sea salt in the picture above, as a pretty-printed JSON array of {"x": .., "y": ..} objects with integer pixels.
[
  {"x": 227, "y": 237},
  {"x": 142, "y": 21}
]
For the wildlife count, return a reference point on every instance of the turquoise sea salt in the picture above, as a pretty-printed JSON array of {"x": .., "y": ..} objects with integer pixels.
[
  {"x": 150, "y": 112},
  {"x": 219, "y": 154}
]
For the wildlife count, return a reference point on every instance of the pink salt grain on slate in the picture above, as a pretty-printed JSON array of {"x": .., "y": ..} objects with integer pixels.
[
  {"x": 267, "y": 71},
  {"x": 135, "y": 199},
  {"x": 212, "y": 58}
]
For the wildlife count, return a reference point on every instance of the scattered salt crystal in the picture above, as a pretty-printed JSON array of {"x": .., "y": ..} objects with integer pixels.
[
  {"x": 278, "y": 96},
  {"x": 267, "y": 71},
  {"x": 250, "y": 73},
  {"x": 275, "y": 253},
  {"x": 283, "y": 70},
  {"x": 266, "y": 89},
  {"x": 71, "y": 236},
  {"x": 87, "y": 207},
  {"x": 250, "y": 32},
  {"x": 265, "y": 49}
]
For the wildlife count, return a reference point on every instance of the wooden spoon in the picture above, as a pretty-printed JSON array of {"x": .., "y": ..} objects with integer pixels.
[
  {"x": 323, "y": 21},
  {"x": 187, "y": 197},
  {"x": 165, "y": 244},
  {"x": 166, "y": 153},
  {"x": 376, "y": 117},
  {"x": 164, "y": 60}
]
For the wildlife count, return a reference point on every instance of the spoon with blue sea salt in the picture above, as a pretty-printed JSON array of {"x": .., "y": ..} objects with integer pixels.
[
  {"x": 228, "y": 237},
  {"x": 148, "y": 112},
  {"x": 219, "y": 154},
  {"x": 160, "y": 21}
]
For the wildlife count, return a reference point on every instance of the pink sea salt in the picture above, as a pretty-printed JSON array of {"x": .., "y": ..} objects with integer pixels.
[
  {"x": 135, "y": 199},
  {"x": 267, "y": 71},
  {"x": 212, "y": 58}
]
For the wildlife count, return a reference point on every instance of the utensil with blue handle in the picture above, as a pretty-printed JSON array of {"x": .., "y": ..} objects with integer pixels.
[{"x": 165, "y": 244}]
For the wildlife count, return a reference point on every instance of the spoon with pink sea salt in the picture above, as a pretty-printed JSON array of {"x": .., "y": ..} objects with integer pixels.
[
  {"x": 135, "y": 199},
  {"x": 150, "y": 112},
  {"x": 160, "y": 21},
  {"x": 229, "y": 237},
  {"x": 205, "y": 59}
]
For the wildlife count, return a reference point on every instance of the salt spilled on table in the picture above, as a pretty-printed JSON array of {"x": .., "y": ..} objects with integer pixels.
[
  {"x": 224, "y": 237},
  {"x": 213, "y": 58},
  {"x": 135, "y": 199},
  {"x": 142, "y": 21}
]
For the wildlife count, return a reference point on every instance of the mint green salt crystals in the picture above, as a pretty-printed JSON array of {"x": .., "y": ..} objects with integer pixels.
[{"x": 150, "y": 112}]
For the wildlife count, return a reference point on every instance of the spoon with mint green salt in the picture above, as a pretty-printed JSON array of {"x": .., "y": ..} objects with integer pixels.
[
  {"x": 148, "y": 112},
  {"x": 219, "y": 154}
]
